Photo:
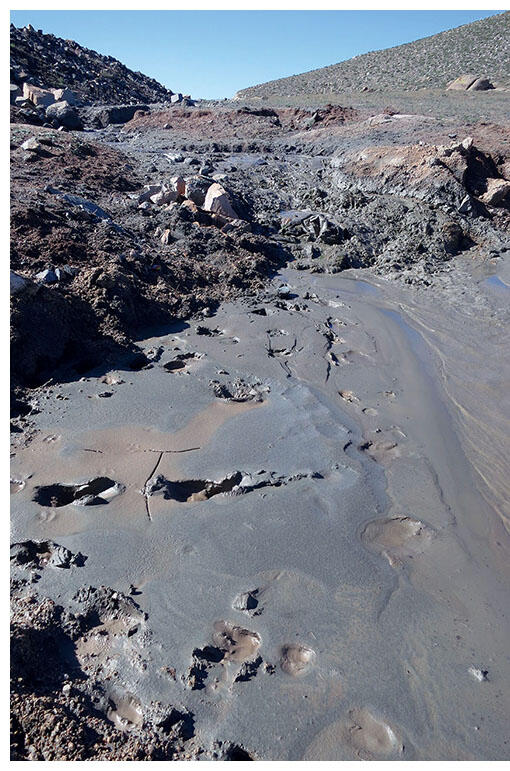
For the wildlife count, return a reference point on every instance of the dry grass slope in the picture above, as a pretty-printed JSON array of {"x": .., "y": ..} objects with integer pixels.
[{"x": 482, "y": 47}]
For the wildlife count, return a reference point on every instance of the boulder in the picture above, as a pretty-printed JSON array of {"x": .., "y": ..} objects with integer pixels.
[
  {"x": 102, "y": 116},
  {"x": 498, "y": 192},
  {"x": 15, "y": 91},
  {"x": 166, "y": 237},
  {"x": 149, "y": 191},
  {"x": 65, "y": 115},
  {"x": 65, "y": 95},
  {"x": 470, "y": 83},
  {"x": 176, "y": 98},
  {"x": 481, "y": 84},
  {"x": 462, "y": 83},
  {"x": 217, "y": 201},
  {"x": 179, "y": 185},
  {"x": 18, "y": 283},
  {"x": 38, "y": 96}
]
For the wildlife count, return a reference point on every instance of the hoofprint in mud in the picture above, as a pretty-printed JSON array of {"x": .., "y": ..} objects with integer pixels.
[{"x": 290, "y": 496}]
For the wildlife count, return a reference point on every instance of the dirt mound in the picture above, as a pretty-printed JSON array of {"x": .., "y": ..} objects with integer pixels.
[{"x": 82, "y": 219}]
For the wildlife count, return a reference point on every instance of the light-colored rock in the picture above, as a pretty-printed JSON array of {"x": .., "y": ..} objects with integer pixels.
[
  {"x": 179, "y": 185},
  {"x": 31, "y": 144},
  {"x": 217, "y": 201},
  {"x": 38, "y": 96},
  {"x": 176, "y": 98},
  {"x": 47, "y": 276},
  {"x": 164, "y": 197},
  {"x": 505, "y": 170},
  {"x": 18, "y": 283},
  {"x": 149, "y": 191},
  {"x": 461, "y": 83},
  {"x": 498, "y": 191},
  {"x": 65, "y": 95},
  {"x": 166, "y": 236}
]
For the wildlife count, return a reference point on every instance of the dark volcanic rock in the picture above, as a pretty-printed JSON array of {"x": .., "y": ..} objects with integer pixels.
[{"x": 51, "y": 62}]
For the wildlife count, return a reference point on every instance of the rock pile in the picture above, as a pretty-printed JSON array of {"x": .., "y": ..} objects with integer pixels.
[{"x": 47, "y": 61}]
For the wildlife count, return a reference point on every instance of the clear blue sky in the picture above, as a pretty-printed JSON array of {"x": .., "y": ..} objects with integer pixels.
[{"x": 212, "y": 54}]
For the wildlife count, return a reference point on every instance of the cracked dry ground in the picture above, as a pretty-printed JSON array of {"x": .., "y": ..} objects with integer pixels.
[{"x": 277, "y": 529}]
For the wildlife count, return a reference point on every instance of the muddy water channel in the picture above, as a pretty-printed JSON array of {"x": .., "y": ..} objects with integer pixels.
[{"x": 305, "y": 496}]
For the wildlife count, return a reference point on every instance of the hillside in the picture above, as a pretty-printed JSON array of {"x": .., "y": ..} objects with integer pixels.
[
  {"x": 481, "y": 48},
  {"x": 50, "y": 62}
]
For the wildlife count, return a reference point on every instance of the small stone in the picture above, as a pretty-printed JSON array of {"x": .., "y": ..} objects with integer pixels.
[
  {"x": 31, "y": 144},
  {"x": 479, "y": 674},
  {"x": 47, "y": 276}
]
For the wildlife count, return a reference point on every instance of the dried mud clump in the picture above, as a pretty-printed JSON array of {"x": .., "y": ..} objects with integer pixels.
[{"x": 61, "y": 711}]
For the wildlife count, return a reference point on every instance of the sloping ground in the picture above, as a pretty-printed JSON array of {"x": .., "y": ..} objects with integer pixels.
[
  {"x": 481, "y": 48},
  {"x": 51, "y": 62}
]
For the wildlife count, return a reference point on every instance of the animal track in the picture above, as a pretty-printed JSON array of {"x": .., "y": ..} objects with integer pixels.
[
  {"x": 239, "y": 390},
  {"x": 372, "y": 737},
  {"x": 231, "y": 643},
  {"x": 297, "y": 660},
  {"x": 397, "y": 537},
  {"x": 181, "y": 361},
  {"x": 95, "y": 492},
  {"x": 381, "y": 444},
  {"x": 248, "y": 602},
  {"x": 237, "y": 483},
  {"x": 237, "y": 643}
]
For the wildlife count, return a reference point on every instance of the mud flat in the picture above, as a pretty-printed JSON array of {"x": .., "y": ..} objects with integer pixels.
[{"x": 293, "y": 542}]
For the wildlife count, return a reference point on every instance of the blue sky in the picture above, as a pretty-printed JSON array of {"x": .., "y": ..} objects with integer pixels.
[{"x": 212, "y": 54}]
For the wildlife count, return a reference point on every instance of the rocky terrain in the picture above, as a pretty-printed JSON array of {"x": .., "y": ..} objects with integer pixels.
[
  {"x": 259, "y": 422},
  {"x": 481, "y": 48},
  {"x": 50, "y": 62}
]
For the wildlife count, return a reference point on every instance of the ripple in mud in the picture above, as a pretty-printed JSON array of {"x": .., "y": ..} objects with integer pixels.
[
  {"x": 297, "y": 660},
  {"x": 95, "y": 492}
]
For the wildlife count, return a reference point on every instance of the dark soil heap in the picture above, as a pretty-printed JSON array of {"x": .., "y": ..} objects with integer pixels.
[{"x": 50, "y": 62}]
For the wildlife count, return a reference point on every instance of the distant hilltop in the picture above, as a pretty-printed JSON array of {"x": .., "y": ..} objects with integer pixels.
[
  {"x": 52, "y": 63},
  {"x": 480, "y": 49}
]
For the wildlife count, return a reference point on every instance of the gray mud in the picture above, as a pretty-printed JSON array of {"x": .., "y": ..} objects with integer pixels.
[{"x": 308, "y": 544}]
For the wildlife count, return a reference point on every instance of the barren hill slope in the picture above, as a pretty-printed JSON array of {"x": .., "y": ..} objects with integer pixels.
[
  {"x": 481, "y": 48},
  {"x": 51, "y": 62}
]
